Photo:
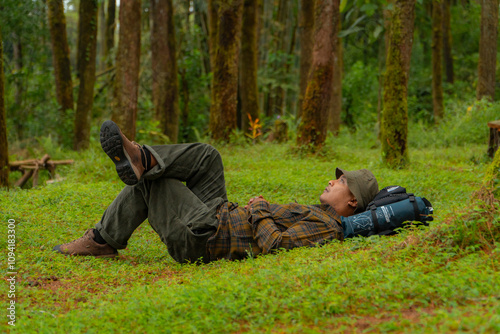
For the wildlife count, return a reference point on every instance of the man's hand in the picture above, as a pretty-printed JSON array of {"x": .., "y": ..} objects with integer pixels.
[{"x": 259, "y": 198}]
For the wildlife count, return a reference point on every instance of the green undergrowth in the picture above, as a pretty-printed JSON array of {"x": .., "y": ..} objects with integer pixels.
[{"x": 444, "y": 278}]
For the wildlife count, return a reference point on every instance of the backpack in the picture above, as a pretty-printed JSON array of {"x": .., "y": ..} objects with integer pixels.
[{"x": 391, "y": 208}]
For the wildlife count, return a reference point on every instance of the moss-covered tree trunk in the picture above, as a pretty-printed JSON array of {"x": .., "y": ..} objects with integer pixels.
[
  {"x": 225, "y": 76},
  {"x": 336, "y": 103},
  {"x": 101, "y": 46},
  {"x": 86, "y": 65},
  {"x": 164, "y": 63},
  {"x": 306, "y": 25},
  {"x": 213, "y": 27},
  {"x": 394, "y": 120},
  {"x": 447, "y": 42},
  {"x": 248, "y": 64},
  {"x": 313, "y": 127},
  {"x": 487, "y": 50},
  {"x": 110, "y": 31},
  {"x": 437, "y": 60},
  {"x": 126, "y": 88},
  {"x": 4, "y": 146},
  {"x": 60, "y": 55}
]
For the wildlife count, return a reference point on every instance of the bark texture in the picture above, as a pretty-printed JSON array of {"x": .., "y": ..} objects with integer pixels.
[
  {"x": 86, "y": 65},
  {"x": 313, "y": 127},
  {"x": 306, "y": 25},
  {"x": 447, "y": 42},
  {"x": 487, "y": 50},
  {"x": 394, "y": 121},
  {"x": 164, "y": 62},
  {"x": 248, "y": 64},
  {"x": 4, "y": 146},
  {"x": 126, "y": 88},
  {"x": 60, "y": 54},
  {"x": 213, "y": 27},
  {"x": 437, "y": 60},
  {"x": 110, "y": 31},
  {"x": 336, "y": 103},
  {"x": 225, "y": 77}
]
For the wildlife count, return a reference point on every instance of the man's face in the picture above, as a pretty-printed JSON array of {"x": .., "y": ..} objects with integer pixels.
[{"x": 338, "y": 196}]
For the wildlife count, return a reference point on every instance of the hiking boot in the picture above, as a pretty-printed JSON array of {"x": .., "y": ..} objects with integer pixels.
[
  {"x": 129, "y": 157},
  {"x": 86, "y": 246}
]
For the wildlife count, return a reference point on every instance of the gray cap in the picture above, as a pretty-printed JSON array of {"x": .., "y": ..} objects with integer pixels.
[{"x": 363, "y": 185}]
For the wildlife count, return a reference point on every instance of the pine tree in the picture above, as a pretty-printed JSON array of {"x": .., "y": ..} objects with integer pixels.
[
  {"x": 126, "y": 88},
  {"x": 313, "y": 127},
  {"x": 394, "y": 120},
  {"x": 4, "y": 146},
  {"x": 487, "y": 50},
  {"x": 225, "y": 72},
  {"x": 437, "y": 60},
  {"x": 248, "y": 64},
  {"x": 86, "y": 65},
  {"x": 60, "y": 55},
  {"x": 164, "y": 63}
]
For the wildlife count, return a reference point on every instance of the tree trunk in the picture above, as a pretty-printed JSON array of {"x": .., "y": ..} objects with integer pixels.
[
  {"x": 487, "y": 50},
  {"x": 164, "y": 62},
  {"x": 18, "y": 65},
  {"x": 110, "y": 31},
  {"x": 127, "y": 67},
  {"x": 306, "y": 25},
  {"x": 60, "y": 55},
  {"x": 394, "y": 122},
  {"x": 313, "y": 128},
  {"x": 4, "y": 146},
  {"x": 86, "y": 63},
  {"x": 185, "y": 104},
  {"x": 201, "y": 20},
  {"x": 213, "y": 26},
  {"x": 102, "y": 36},
  {"x": 20, "y": 82},
  {"x": 437, "y": 60},
  {"x": 336, "y": 103},
  {"x": 248, "y": 64},
  {"x": 225, "y": 77},
  {"x": 447, "y": 52}
]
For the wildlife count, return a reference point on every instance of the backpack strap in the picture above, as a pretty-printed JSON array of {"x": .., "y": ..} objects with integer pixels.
[
  {"x": 416, "y": 211},
  {"x": 373, "y": 210}
]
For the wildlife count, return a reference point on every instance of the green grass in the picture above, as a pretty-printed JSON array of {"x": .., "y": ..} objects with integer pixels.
[{"x": 419, "y": 281}]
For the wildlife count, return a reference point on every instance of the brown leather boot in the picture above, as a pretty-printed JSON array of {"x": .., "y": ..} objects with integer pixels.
[
  {"x": 86, "y": 246},
  {"x": 129, "y": 157}
]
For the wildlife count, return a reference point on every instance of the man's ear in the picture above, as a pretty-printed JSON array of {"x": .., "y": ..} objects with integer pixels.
[{"x": 353, "y": 203}]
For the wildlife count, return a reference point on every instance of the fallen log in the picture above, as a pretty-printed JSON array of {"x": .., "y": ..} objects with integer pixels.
[{"x": 30, "y": 168}]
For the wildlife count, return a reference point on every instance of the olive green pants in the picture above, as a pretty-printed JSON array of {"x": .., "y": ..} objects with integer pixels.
[{"x": 179, "y": 197}]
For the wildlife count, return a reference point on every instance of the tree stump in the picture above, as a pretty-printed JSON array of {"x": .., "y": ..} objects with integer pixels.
[{"x": 494, "y": 140}]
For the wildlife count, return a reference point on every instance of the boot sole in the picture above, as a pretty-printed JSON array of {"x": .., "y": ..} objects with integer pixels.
[{"x": 112, "y": 144}]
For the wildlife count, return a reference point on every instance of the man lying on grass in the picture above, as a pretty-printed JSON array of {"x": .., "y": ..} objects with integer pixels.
[{"x": 181, "y": 190}]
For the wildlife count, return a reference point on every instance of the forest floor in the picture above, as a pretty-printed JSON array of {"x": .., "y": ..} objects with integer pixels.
[{"x": 436, "y": 279}]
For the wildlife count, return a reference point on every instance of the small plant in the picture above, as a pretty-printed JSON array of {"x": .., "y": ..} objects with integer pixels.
[{"x": 255, "y": 128}]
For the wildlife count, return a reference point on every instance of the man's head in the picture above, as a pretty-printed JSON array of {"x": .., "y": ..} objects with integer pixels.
[{"x": 351, "y": 192}]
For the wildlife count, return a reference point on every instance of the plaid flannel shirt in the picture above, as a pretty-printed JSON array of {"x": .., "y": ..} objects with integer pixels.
[{"x": 266, "y": 227}]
